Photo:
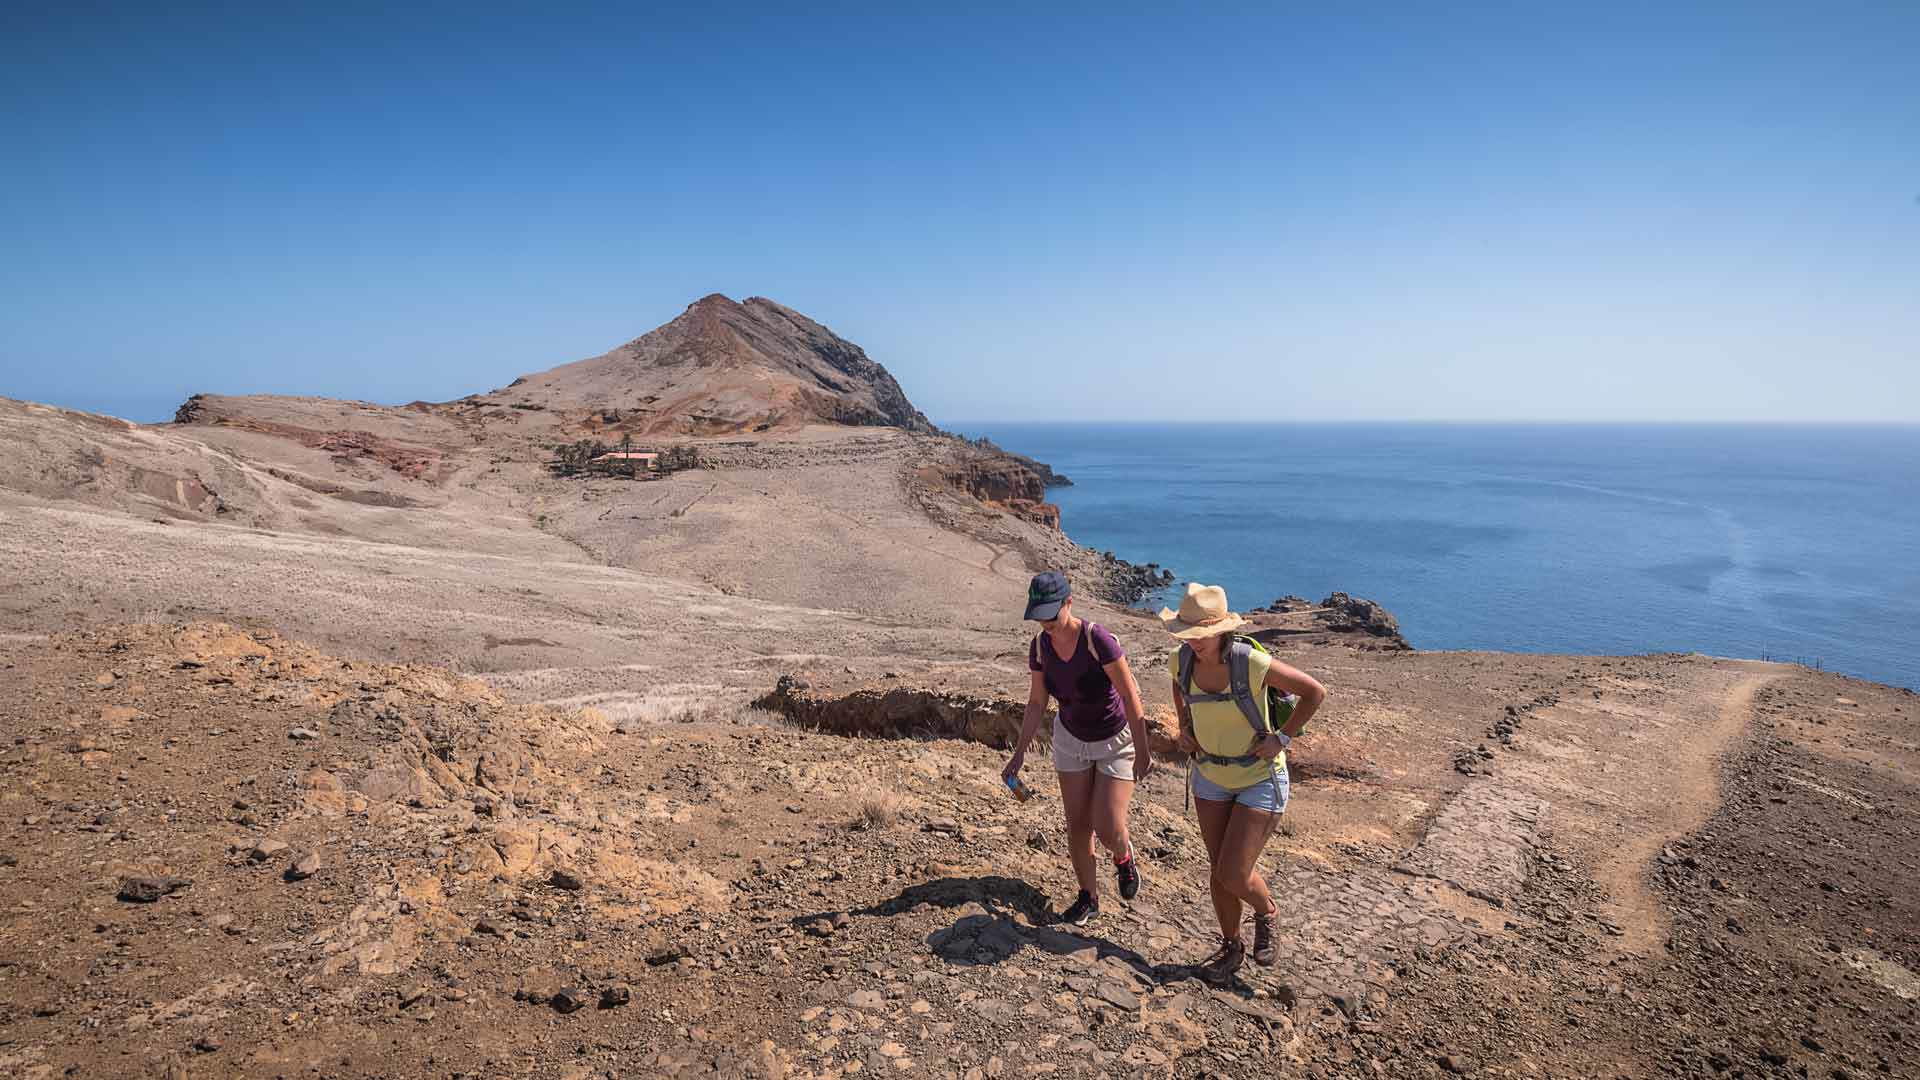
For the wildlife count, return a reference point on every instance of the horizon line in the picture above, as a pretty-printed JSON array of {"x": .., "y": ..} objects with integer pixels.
[
  {"x": 1483, "y": 422},
  {"x": 1239, "y": 423}
]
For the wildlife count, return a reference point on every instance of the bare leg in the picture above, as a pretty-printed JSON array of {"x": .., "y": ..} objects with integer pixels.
[
  {"x": 1109, "y": 806},
  {"x": 1236, "y": 869},
  {"x": 1215, "y": 817},
  {"x": 1076, "y": 797}
]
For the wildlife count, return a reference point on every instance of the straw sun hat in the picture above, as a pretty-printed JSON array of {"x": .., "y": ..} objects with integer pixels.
[{"x": 1203, "y": 613}]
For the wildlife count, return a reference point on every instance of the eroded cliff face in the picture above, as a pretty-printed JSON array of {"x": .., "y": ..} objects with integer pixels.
[
  {"x": 1002, "y": 481},
  {"x": 346, "y": 445},
  {"x": 910, "y": 712},
  {"x": 897, "y": 712}
]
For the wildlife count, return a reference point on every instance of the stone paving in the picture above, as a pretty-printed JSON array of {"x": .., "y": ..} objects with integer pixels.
[
  {"x": 995, "y": 991},
  {"x": 1480, "y": 840},
  {"x": 1339, "y": 931}
]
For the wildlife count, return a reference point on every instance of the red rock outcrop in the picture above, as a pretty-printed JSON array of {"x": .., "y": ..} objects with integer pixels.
[
  {"x": 412, "y": 461},
  {"x": 1002, "y": 481}
]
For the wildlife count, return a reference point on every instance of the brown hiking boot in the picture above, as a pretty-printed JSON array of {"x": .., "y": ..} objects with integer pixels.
[
  {"x": 1219, "y": 968},
  {"x": 1263, "y": 953}
]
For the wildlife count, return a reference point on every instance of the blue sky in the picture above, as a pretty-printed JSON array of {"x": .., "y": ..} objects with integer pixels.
[{"x": 1503, "y": 211}]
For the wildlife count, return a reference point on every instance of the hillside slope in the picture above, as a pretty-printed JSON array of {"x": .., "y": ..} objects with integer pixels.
[{"x": 722, "y": 367}]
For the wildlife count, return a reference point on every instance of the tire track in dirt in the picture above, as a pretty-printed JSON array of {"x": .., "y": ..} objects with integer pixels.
[{"x": 1691, "y": 778}]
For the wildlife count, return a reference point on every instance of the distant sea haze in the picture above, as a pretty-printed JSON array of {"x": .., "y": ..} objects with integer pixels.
[{"x": 1786, "y": 542}]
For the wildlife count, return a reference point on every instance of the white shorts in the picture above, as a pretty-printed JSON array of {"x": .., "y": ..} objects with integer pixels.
[{"x": 1114, "y": 756}]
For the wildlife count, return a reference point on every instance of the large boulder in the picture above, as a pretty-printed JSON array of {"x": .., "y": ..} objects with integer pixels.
[{"x": 1353, "y": 614}]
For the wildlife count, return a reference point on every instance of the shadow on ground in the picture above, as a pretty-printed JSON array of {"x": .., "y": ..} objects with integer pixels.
[{"x": 1013, "y": 915}]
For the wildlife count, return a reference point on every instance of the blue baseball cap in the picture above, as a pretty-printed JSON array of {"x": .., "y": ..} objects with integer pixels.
[{"x": 1045, "y": 593}]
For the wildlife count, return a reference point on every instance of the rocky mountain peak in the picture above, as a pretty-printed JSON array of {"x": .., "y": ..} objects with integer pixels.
[{"x": 723, "y": 366}]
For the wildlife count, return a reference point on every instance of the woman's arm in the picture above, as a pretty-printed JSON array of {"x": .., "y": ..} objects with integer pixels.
[
  {"x": 1030, "y": 724},
  {"x": 1189, "y": 742},
  {"x": 1122, "y": 677},
  {"x": 1291, "y": 680}
]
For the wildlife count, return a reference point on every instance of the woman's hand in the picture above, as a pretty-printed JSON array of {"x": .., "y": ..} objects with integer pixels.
[
  {"x": 1268, "y": 748},
  {"x": 1142, "y": 762},
  {"x": 1188, "y": 744},
  {"x": 1013, "y": 765}
]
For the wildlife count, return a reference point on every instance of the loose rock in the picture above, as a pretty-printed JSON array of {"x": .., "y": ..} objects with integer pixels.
[{"x": 146, "y": 890}]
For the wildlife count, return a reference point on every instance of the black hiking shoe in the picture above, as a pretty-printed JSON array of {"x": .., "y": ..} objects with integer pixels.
[
  {"x": 1219, "y": 968},
  {"x": 1083, "y": 910},
  {"x": 1129, "y": 875},
  {"x": 1263, "y": 953}
]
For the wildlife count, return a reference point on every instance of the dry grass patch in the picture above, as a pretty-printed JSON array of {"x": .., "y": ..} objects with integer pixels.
[
  {"x": 634, "y": 711},
  {"x": 880, "y": 811}
]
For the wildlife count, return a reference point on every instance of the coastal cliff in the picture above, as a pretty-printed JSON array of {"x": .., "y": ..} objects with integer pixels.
[{"x": 1000, "y": 479}]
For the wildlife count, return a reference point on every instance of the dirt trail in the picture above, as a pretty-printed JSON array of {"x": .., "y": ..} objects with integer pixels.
[
  {"x": 1788, "y": 929},
  {"x": 994, "y": 566},
  {"x": 1689, "y": 790}
]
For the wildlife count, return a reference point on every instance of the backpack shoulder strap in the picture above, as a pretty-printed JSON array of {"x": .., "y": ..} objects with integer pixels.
[
  {"x": 1196, "y": 696},
  {"x": 1240, "y": 684}
]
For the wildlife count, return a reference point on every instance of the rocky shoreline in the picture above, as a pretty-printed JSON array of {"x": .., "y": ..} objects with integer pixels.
[
  {"x": 1127, "y": 584},
  {"x": 1342, "y": 614},
  {"x": 999, "y": 477}
]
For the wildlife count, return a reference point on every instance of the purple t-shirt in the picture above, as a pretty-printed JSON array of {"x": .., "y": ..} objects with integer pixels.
[{"x": 1089, "y": 705}]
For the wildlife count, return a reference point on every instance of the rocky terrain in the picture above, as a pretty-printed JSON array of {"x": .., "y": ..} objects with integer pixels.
[
  {"x": 347, "y": 740},
  {"x": 227, "y": 853}
]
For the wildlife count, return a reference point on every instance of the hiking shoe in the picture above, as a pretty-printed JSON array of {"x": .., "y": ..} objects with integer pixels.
[
  {"x": 1129, "y": 875},
  {"x": 1219, "y": 968},
  {"x": 1083, "y": 910},
  {"x": 1263, "y": 953}
]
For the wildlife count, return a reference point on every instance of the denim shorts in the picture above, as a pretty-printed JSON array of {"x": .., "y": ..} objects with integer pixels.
[{"x": 1269, "y": 794}]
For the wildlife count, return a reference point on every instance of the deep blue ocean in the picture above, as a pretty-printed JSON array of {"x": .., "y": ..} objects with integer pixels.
[{"x": 1787, "y": 542}]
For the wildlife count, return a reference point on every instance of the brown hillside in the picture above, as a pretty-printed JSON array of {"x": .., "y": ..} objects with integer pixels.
[{"x": 724, "y": 366}]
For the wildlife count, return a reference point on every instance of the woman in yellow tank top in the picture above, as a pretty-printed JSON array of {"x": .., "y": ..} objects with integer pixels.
[{"x": 1240, "y": 786}]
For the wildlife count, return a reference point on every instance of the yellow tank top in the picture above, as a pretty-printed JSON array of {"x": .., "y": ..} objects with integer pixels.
[{"x": 1222, "y": 729}]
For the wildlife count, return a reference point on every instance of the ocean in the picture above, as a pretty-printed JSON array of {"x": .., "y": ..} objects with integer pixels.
[{"x": 1785, "y": 542}]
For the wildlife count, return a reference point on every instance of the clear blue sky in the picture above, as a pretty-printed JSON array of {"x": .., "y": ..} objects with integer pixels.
[{"x": 1500, "y": 211}]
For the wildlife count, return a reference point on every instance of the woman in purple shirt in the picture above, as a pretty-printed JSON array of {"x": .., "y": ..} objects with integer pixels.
[{"x": 1099, "y": 737}]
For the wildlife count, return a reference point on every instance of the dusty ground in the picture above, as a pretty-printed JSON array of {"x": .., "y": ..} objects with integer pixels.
[
  {"x": 716, "y": 851},
  {"x": 449, "y": 676}
]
